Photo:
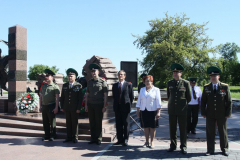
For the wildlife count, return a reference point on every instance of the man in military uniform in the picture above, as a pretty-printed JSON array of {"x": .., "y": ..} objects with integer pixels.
[
  {"x": 49, "y": 95},
  {"x": 96, "y": 103},
  {"x": 216, "y": 106},
  {"x": 193, "y": 106},
  {"x": 141, "y": 84},
  {"x": 179, "y": 95},
  {"x": 71, "y": 101}
]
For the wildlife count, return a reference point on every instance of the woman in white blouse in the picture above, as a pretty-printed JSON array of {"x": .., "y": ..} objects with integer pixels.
[{"x": 149, "y": 102}]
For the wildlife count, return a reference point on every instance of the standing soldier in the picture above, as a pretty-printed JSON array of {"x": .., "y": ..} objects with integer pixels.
[
  {"x": 179, "y": 95},
  {"x": 49, "y": 96},
  {"x": 71, "y": 101},
  {"x": 193, "y": 106},
  {"x": 216, "y": 106},
  {"x": 96, "y": 103}
]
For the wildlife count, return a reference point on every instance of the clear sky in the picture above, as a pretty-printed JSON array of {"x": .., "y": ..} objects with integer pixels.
[{"x": 66, "y": 33}]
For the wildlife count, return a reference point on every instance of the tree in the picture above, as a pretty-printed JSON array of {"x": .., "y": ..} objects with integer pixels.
[
  {"x": 39, "y": 69},
  {"x": 173, "y": 40},
  {"x": 229, "y": 61}
]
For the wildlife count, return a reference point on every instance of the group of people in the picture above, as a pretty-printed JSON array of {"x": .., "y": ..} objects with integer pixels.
[{"x": 184, "y": 101}]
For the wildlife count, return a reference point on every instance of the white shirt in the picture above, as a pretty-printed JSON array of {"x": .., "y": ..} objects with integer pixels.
[
  {"x": 70, "y": 85},
  {"x": 149, "y": 100},
  {"x": 121, "y": 84},
  {"x": 216, "y": 86},
  {"x": 198, "y": 93}
]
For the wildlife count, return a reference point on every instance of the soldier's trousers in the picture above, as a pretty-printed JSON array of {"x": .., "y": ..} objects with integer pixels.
[
  {"x": 222, "y": 130},
  {"x": 95, "y": 118},
  {"x": 72, "y": 124},
  {"x": 49, "y": 122},
  {"x": 182, "y": 123},
  {"x": 192, "y": 117}
]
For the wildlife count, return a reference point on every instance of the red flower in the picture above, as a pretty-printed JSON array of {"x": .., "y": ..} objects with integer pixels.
[
  {"x": 30, "y": 97},
  {"x": 25, "y": 103}
]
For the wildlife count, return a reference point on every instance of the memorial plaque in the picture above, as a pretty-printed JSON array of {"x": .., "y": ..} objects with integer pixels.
[{"x": 131, "y": 69}]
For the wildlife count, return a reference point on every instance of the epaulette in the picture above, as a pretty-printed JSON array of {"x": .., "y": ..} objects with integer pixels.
[
  {"x": 224, "y": 84},
  {"x": 207, "y": 84},
  {"x": 102, "y": 79}
]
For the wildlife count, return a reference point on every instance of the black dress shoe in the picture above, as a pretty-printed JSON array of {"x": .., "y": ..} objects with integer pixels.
[
  {"x": 183, "y": 151},
  {"x": 91, "y": 142},
  {"x": 209, "y": 153},
  {"x": 45, "y": 138},
  {"x": 51, "y": 139},
  {"x": 193, "y": 132},
  {"x": 67, "y": 140},
  {"x": 125, "y": 144},
  {"x": 75, "y": 141},
  {"x": 171, "y": 149},
  {"x": 225, "y": 153},
  {"x": 99, "y": 142},
  {"x": 117, "y": 143}
]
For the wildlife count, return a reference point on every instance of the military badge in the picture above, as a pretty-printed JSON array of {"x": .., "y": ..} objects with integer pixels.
[{"x": 222, "y": 92}]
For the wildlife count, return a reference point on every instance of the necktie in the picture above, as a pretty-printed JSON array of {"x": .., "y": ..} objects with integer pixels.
[
  {"x": 119, "y": 91},
  {"x": 194, "y": 93},
  {"x": 70, "y": 85},
  {"x": 215, "y": 90}
]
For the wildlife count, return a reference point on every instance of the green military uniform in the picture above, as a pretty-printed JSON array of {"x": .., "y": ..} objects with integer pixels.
[
  {"x": 216, "y": 105},
  {"x": 48, "y": 93},
  {"x": 179, "y": 95},
  {"x": 95, "y": 103},
  {"x": 71, "y": 101}
]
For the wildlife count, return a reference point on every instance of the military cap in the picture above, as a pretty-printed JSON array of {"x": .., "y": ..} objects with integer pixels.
[
  {"x": 49, "y": 72},
  {"x": 94, "y": 66},
  {"x": 176, "y": 67},
  {"x": 193, "y": 79},
  {"x": 71, "y": 71},
  {"x": 143, "y": 75},
  {"x": 213, "y": 70}
]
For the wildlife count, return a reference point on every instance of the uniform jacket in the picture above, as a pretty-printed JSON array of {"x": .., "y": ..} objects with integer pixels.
[
  {"x": 96, "y": 90},
  {"x": 217, "y": 105},
  {"x": 126, "y": 97},
  {"x": 71, "y": 98},
  {"x": 178, "y": 97}
]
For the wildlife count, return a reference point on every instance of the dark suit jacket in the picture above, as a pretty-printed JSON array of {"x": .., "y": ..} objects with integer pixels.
[{"x": 126, "y": 97}]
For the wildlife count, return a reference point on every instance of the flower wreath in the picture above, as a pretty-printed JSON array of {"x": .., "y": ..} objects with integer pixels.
[{"x": 27, "y": 102}]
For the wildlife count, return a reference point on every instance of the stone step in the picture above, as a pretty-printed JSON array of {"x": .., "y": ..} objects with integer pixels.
[
  {"x": 36, "y": 133},
  {"x": 34, "y": 126}
]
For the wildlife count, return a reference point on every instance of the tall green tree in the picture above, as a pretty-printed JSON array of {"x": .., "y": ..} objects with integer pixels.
[
  {"x": 229, "y": 62},
  {"x": 174, "y": 40},
  {"x": 39, "y": 69}
]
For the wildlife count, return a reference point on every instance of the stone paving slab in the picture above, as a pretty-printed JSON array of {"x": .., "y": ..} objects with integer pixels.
[{"x": 160, "y": 152}]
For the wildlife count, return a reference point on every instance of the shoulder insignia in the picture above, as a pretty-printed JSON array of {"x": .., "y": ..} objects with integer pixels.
[
  {"x": 207, "y": 84},
  {"x": 224, "y": 83}
]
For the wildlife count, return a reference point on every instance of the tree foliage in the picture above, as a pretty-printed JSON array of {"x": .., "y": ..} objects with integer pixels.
[
  {"x": 39, "y": 69},
  {"x": 230, "y": 64},
  {"x": 174, "y": 40}
]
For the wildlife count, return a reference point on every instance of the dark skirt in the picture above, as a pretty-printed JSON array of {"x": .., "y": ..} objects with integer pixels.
[{"x": 148, "y": 119}]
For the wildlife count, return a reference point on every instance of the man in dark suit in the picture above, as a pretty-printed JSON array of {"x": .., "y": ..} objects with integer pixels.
[{"x": 122, "y": 100}]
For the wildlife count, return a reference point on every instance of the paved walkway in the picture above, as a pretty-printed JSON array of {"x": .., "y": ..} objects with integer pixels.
[{"x": 27, "y": 148}]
